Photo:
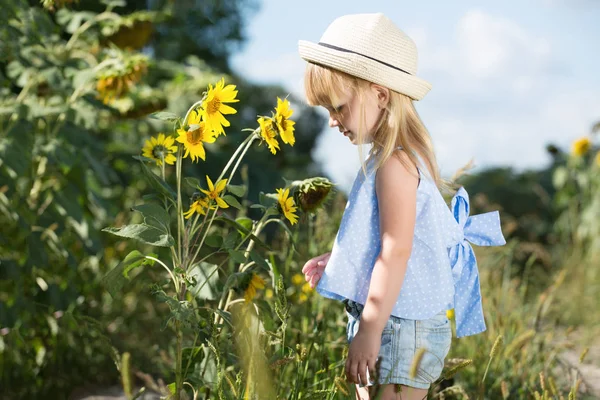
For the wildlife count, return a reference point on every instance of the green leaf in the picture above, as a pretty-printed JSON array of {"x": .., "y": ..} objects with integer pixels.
[
  {"x": 165, "y": 116},
  {"x": 214, "y": 241},
  {"x": 145, "y": 233},
  {"x": 245, "y": 222},
  {"x": 237, "y": 190},
  {"x": 158, "y": 183},
  {"x": 243, "y": 230},
  {"x": 268, "y": 199},
  {"x": 194, "y": 183},
  {"x": 231, "y": 240},
  {"x": 172, "y": 387},
  {"x": 289, "y": 232},
  {"x": 237, "y": 256},
  {"x": 260, "y": 261},
  {"x": 232, "y": 201},
  {"x": 115, "y": 279},
  {"x": 131, "y": 266},
  {"x": 206, "y": 277},
  {"x": 154, "y": 214}
]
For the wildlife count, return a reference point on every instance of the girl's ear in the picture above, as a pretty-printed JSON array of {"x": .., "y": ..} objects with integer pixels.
[{"x": 383, "y": 95}]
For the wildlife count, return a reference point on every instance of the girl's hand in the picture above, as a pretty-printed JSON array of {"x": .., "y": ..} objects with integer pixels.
[
  {"x": 313, "y": 269},
  {"x": 362, "y": 355}
]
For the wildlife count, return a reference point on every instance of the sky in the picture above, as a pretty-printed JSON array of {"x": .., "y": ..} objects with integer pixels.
[{"x": 507, "y": 77}]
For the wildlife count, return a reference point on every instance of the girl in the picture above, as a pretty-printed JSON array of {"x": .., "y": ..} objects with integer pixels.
[{"x": 401, "y": 258}]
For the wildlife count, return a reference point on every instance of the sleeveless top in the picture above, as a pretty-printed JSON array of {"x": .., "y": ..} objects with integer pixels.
[{"x": 441, "y": 271}]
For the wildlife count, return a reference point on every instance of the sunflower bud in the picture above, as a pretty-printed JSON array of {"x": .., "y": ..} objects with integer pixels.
[{"x": 310, "y": 194}]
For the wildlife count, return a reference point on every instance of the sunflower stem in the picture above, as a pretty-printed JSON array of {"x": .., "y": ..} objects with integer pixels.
[
  {"x": 224, "y": 303},
  {"x": 250, "y": 137},
  {"x": 179, "y": 206},
  {"x": 237, "y": 164},
  {"x": 231, "y": 160},
  {"x": 205, "y": 233},
  {"x": 192, "y": 108}
]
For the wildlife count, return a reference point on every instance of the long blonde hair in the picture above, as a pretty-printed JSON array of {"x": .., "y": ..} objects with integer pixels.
[{"x": 399, "y": 125}]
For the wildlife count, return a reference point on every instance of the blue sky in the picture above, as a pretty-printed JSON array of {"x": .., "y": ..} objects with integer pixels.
[{"x": 508, "y": 77}]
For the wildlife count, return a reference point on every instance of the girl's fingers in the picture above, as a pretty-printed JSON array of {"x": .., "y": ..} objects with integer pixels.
[
  {"x": 351, "y": 371},
  {"x": 371, "y": 370},
  {"x": 362, "y": 372},
  {"x": 314, "y": 280},
  {"x": 309, "y": 264}
]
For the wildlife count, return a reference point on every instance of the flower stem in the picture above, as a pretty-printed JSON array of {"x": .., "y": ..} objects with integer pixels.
[
  {"x": 173, "y": 278},
  {"x": 178, "y": 361},
  {"x": 224, "y": 303},
  {"x": 179, "y": 205}
]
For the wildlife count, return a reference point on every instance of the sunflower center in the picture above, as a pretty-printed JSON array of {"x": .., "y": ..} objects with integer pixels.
[
  {"x": 159, "y": 152},
  {"x": 196, "y": 136},
  {"x": 270, "y": 133},
  {"x": 283, "y": 124},
  {"x": 213, "y": 106}
]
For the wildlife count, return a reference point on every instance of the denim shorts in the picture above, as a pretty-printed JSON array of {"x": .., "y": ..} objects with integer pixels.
[{"x": 400, "y": 341}]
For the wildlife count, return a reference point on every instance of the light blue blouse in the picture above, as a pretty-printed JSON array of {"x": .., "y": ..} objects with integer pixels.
[{"x": 442, "y": 270}]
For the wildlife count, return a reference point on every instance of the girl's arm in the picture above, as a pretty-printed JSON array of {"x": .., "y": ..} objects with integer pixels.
[{"x": 396, "y": 188}]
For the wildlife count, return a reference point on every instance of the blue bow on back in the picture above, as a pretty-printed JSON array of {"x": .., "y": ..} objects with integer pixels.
[{"x": 482, "y": 230}]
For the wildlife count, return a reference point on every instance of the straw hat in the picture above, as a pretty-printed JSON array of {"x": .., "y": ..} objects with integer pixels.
[{"x": 370, "y": 47}]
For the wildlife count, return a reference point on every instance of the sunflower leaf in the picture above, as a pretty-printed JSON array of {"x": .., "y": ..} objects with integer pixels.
[
  {"x": 154, "y": 213},
  {"x": 243, "y": 230},
  {"x": 214, "y": 241},
  {"x": 232, "y": 201},
  {"x": 158, "y": 183},
  {"x": 144, "y": 233},
  {"x": 237, "y": 256},
  {"x": 259, "y": 260},
  {"x": 267, "y": 200},
  {"x": 237, "y": 190},
  {"x": 165, "y": 116},
  {"x": 115, "y": 279},
  {"x": 194, "y": 183}
]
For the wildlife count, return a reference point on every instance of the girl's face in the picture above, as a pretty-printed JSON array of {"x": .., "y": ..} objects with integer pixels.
[{"x": 348, "y": 117}]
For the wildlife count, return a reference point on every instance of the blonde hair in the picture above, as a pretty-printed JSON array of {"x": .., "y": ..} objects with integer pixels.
[{"x": 399, "y": 125}]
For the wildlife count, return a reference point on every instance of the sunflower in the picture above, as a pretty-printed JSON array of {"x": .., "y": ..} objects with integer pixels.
[
  {"x": 255, "y": 283},
  {"x": 581, "y": 146},
  {"x": 312, "y": 193},
  {"x": 285, "y": 125},
  {"x": 598, "y": 159},
  {"x": 298, "y": 279},
  {"x": 160, "y": 149},
  {"x": 268, "y": 133},
  {"x": 306, "y": 288},
  {"x": 215, "y": 106},
  {"x": 214, "y": 191},
  {"x": 194, "y": 138},
  {"x": 199, "y": 206},
  {"x": 287, "y": 205}
]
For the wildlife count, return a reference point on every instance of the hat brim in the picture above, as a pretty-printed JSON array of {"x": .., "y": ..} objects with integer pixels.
[{"x": 365, "y": 68}]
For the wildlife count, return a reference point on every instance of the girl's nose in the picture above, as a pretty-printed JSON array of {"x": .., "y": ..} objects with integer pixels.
[{"x": 333, "y": 122}]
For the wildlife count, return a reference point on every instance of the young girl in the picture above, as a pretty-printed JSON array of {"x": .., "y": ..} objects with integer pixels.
[{"x": 401, "y": 257}]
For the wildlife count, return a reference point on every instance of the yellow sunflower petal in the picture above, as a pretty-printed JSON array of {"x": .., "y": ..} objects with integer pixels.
[
  {"x": 221, "y": 203},
  {"x": 210, "y": 184},
  {"x": 258, "y": 282},
  {"x": 221, "y": 185}
]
